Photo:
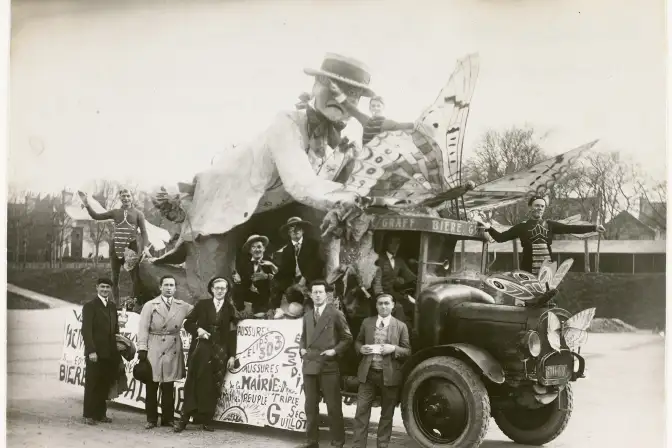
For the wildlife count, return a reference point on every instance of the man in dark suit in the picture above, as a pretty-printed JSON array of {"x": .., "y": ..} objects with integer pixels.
[
  {"x": 99, "y": 330},
  {"x": 392, "y": 274},
  {"x": 324, "y": 338},
  {"x": 301, "y": 261},
  {"x": 254, "y": 275},
  {"x": 384, "y": 342}
]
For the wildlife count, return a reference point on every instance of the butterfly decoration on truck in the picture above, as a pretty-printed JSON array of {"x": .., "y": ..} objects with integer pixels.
[
  {"x": 574, "y": 331},
  {"x": 524, "y": 286}
]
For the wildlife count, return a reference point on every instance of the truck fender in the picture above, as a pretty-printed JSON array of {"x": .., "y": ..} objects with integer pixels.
[{"x": 487, "y": 363}]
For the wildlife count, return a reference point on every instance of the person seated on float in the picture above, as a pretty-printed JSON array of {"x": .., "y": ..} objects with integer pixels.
[
  {"x": 253, "y": 277},
  {"x": 392, "y": 275},
  {"x": 536, "y": 234},
  {"x": 301, "y": 260},
  {"x": 376, "y": 123}
]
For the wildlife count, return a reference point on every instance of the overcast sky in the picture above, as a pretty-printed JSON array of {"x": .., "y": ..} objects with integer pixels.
[{"x": 151, "y": 93}]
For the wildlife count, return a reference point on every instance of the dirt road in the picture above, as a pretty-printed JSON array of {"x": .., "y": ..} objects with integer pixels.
[{"x": 619, "y": 405}]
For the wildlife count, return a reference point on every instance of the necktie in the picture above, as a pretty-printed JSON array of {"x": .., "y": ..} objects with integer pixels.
[
  {"x": 317, "y": 314},
  {"x": 381, "y": 326},
  {"x": 167, "y": 302},
  {"x": 218, "y": 304},
  {"x": 297, "y": 249}
]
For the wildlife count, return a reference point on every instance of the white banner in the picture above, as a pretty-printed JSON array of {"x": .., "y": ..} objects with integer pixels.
[{"x": 263, "y": 389}]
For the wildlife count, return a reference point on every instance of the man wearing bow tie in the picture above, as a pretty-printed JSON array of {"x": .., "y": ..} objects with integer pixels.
[
  {"x": 384, "y": 343},
  {"x": 159, "y": 341},
  {"x": 254, "y": 276}
]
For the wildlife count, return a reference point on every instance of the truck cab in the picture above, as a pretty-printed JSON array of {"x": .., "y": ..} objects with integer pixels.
[{"x": 482, "y": 344}]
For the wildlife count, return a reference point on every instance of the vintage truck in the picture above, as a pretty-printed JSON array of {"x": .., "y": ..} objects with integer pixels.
[{"x": 483, "y": 345}]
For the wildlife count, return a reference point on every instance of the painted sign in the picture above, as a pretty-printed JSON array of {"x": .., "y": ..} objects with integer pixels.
[
  {"x": 264, "y": 387},
  {"x": 426, "y": 224}
]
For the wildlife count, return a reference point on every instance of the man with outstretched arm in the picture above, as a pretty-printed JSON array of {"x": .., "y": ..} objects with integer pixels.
[
  {"x": 536, "y": 234},
  {"x": 127, "y": 220}
]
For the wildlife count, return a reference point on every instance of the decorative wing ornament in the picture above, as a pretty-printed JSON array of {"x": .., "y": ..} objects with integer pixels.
[
  {"x": 560, "y": 273},
  {"x": 510, "y": 189},
  {"x": 412, "y": 166},
  {"x": 574, "y": 330},
  {"x": 550, "y": 274},
  {"x": 546, "y": 272},
  {"x": 553, "y": 331},
  {"x": 507, "y": 284}
]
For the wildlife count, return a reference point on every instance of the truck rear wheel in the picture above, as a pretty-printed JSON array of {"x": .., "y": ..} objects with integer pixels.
[
  {"x": 535, "y": 426},
  {"x": 445, "y": 404}
]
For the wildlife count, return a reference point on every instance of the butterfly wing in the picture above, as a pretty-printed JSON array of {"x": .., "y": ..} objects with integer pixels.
[
  {"x": 444, "y": 122},
  {"x": 512, "y": 188},
  {"x": 529, "y": 281},
  {"x": 560, "y": 273},
  {"x": 507, "y": 285},
  {"x": 420, "y": 164},
  {"x": 546, "y": 272},
  {"x": 575, "y": 329},
  {"x": 553, "y": 331}
]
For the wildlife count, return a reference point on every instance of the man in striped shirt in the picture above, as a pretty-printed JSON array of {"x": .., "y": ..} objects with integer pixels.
[
  {"x": 376, "y": 123},
  {"x": 127, "y": 221}
]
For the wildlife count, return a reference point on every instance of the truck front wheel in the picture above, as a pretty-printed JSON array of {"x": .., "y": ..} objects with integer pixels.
[
  {"x": 445, "y": 404},
  {"x": 535, "y": 426}
]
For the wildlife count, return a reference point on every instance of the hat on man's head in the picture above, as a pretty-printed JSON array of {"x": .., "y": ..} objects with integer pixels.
[
  {"x": 295, "y": 221},
  {"x": 104, "y": 281},
  {"x": 345, "y": 70},
  {"x": 253, "y": 239}
]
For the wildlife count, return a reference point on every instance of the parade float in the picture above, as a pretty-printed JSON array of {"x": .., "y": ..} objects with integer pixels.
[{"x": 484, "y": 344}]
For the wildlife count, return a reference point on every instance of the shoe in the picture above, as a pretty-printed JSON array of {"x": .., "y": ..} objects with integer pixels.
[
  {"x": 168, "y": 423},
  {"x": 207, "y": 428},
  {"x": 105, "y": 419},
  {"x": 89, "y": 421},
  {"x": 150, "y": 425},
  {"x": 180, "y": 426}
]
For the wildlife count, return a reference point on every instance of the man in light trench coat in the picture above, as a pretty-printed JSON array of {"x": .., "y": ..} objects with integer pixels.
[{"x": 159, "y": 341}]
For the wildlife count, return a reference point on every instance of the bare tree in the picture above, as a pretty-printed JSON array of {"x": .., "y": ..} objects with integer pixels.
[
  {"x": 653, "y": 204},
  {"x": 61, "y": 224},
  {"x": 500, "y": 153},
  {"x": 603, "y": 184}
]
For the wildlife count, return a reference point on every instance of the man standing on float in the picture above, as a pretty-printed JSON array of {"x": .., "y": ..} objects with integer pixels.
[
  {"x": 536, "y": 234},
  {"x": 127, "y": 221}
]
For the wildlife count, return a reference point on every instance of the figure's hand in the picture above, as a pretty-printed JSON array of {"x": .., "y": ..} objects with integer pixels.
[
  {"x": 142, "y": 355},
  {"x": 303, "y": 352},
  {"x": 331, "y": 352},
  {"x": 230, "y": 363},
  {"x": 236, "y": 277},
  {"x": 257, "y": 276},
  {"x": 93, "y": 357},
  {"x": 600, "y": 228},
  {"x": 202, "y": 334},
  {"x": 366, "y": 350},
  {"x": 388, "y": 348},
  {"x": 270, "y": 314}
]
